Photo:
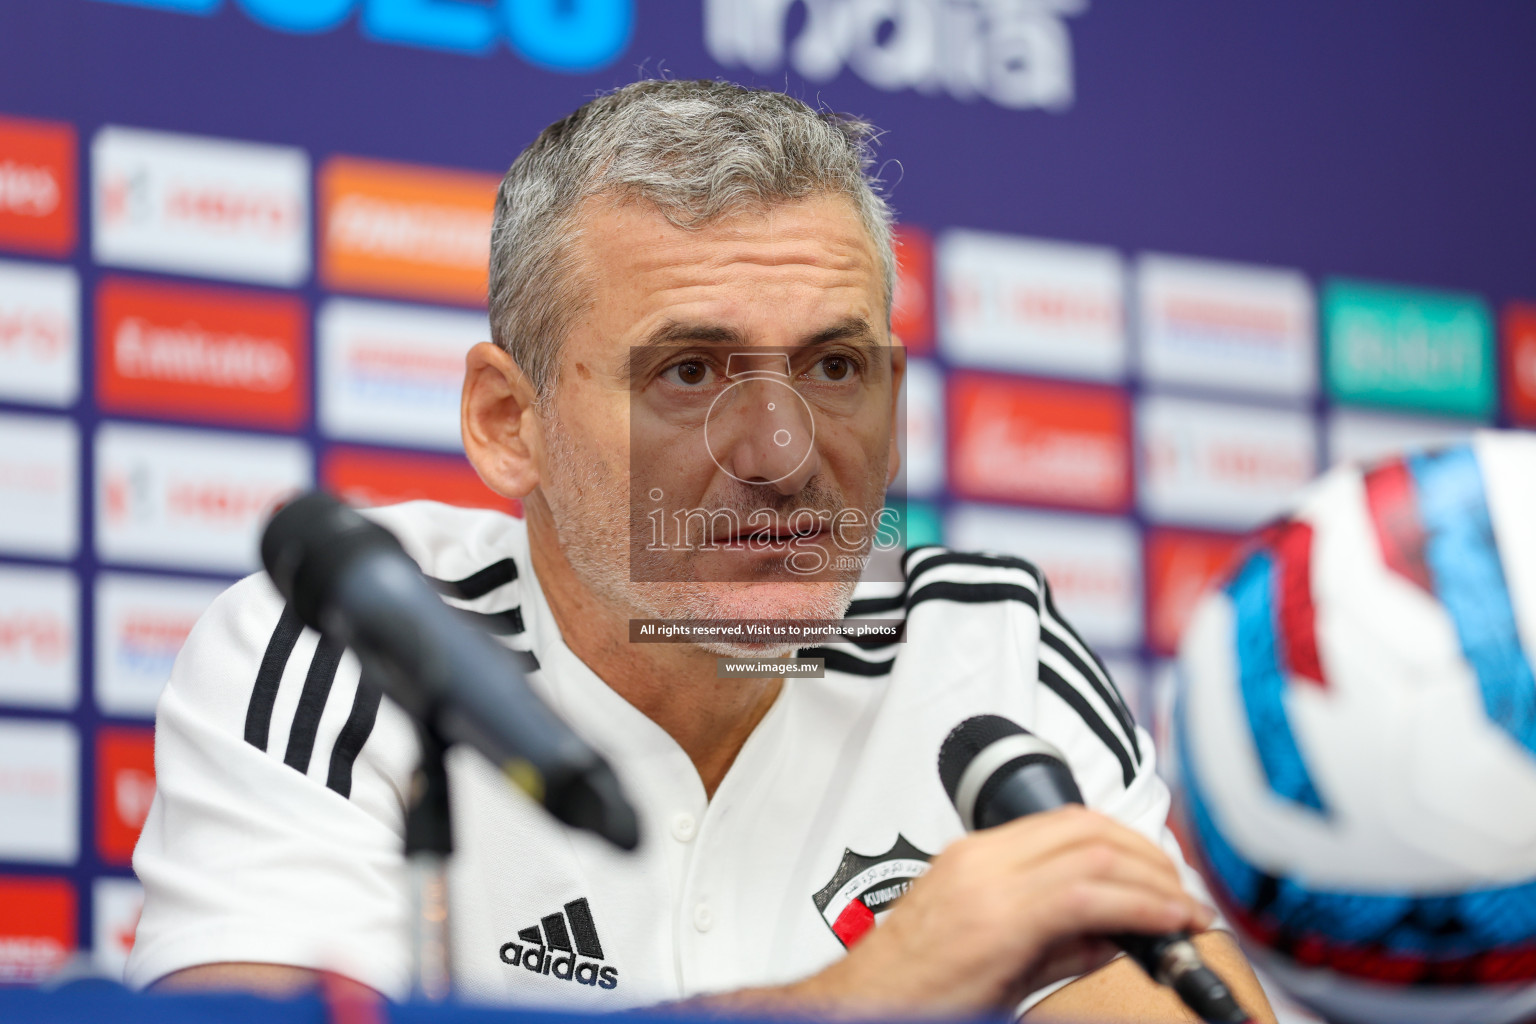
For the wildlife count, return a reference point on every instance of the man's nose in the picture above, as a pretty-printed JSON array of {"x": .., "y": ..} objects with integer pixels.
[{"x": 766, "y": 436}]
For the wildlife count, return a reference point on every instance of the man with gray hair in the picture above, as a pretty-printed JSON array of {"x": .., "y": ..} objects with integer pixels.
[{"x": 694, "y": 391}]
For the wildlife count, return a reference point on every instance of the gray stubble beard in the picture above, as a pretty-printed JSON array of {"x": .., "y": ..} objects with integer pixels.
[{"x": 591, "y": 518}]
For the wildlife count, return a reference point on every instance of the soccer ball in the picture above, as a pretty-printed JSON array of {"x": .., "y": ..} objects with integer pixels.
[{"x": 1355, "y": 737}]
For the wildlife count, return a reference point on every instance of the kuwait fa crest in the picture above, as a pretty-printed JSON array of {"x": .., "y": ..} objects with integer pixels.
[{"x": 864, "y": 887}]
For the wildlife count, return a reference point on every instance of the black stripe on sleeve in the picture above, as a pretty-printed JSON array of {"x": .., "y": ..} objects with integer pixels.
[
  {"x": 258, "y": 714},
  {"x": 1108, "y": 694},
  {"x": 973, "y": 593},
  {"x": 969, "y": 558},
  {"x": 1111, "y": 696},
  {"x": 874, "y": 605},
  {"x": 477, "y": 584},
  {"x": 349, "y": 742},
  {"x": 317, "y": 687},
  {"x": 842, "y": 661},
  {"x": 1077, "y": 702},
  {"x": 503, "y": 623},
  {"x": 910, "y": 553}
]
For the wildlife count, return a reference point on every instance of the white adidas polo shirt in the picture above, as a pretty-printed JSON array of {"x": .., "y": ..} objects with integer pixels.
[{"x": 275, "y": 834}]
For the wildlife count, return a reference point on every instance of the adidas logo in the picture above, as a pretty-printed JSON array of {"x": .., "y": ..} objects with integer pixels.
[{"x": 543, "y": 943}]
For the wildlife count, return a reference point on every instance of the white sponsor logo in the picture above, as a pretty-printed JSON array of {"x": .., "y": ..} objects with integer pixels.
[
  {"x": 998, "y": 442},
  {"x": 1093, "y": 563},
  {"x": 1212, "y": 464},
  {"x": 115, "y": 907},
  {"x": 39, "y": 486},
  {"x": 393, "y": 373},
  {"x": 39, "y": 333},
  {"x": 141, "y": 624},
  {"x": 39, "y": 629},
  {"x": 189, "y": 354},
  {"x": 1020, "y": 304},
  {"x": 28, "y": 190},
  {"x": 29, "y": 959},
  {"x": 418, "y": 232},
  {"x": 190, "y": 498},
  {"x": 39, "y": 792},
  {"x": 200, "y": 206},
  {"x": 1226, "y": 326},
  {"x": 923, "y": 455},
  {"x": 133, "y": 791},
  {"x": 1016, "y": 53},
  {"x": 1365, "y": 437}
]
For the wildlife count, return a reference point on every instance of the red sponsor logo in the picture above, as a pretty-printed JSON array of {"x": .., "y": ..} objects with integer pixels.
[
  {"x": 36, "y": 332},
  {"x": 370, "y": 477},
  {"x": 391, "y": 361},
  {"x": 1520, "y": 359},
  {"x": 205, "y": 354},
  {"x": 37, "y": 635},
  {"x": 1075, "y": 583},
  {"x": 37, "y": 186},
  {"x": 1237, "y": 461},
  {"x": 20, "y": 476},
  {"x": 1181, "y": 564},
  {"x": 912, "y": 304},
  {"x": 219, "y": 502},
  {"x": 1047, "y": 443},
  {"x": 154, "y": 636},
  {"x": 213, "y": 209},
  {"x": 1260, "y": 325},
  {"x": 37, "y": 927},
  {"x": 128, "y": 497},
  {"x": 1039, "y": 306},
  {"x": 125, "y": 786}
]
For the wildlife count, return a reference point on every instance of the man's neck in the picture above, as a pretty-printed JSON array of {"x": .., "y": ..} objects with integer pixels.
[{"x": 674, "y": 685}]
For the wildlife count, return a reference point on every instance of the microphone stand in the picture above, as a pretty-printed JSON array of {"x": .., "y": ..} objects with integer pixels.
[{"x": 428, "y": 844}]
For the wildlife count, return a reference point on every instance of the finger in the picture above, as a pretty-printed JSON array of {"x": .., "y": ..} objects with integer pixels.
[
  {"x": 1113, "y": 863},
  {"x": 1022, "y": 890},
  {"x": 1031, "y": 841},
  {"x": 1102, "y": 907}
]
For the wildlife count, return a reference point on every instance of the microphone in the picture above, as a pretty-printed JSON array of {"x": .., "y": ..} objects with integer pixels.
[
  {"x": 349, "y": 578},
  {"x": 995, "y": 771}
]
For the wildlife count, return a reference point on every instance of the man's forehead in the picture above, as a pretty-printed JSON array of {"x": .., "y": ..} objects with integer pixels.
[
  {"x": 790, "y": 274},
  {"x": 822, "y": 229}
]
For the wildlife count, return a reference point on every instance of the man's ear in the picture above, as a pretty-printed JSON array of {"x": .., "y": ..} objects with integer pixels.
[
  {"x": 499, "y": 423},
  {"x": 898, "y": 353}
]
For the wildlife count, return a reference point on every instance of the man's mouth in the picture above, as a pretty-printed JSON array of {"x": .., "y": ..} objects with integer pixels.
[{"x": 772, "y": 537}]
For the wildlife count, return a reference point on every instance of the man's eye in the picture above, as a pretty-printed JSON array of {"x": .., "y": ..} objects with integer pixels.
[
  {"x": 835, "y": 368},
  {"x": 691, "y": 373}
]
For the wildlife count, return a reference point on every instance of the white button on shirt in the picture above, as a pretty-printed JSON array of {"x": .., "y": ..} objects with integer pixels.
[
  {"x": 703, "y": 917},
  {"x": 683, "y": 827},
  {"x": 830, "y": 809}
]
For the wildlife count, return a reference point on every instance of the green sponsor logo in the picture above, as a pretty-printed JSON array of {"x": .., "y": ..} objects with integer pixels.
[{"x": 1407, "y": 348}]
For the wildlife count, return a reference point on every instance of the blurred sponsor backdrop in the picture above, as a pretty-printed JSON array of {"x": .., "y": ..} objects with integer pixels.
[{"x": 1161, "y": 263}]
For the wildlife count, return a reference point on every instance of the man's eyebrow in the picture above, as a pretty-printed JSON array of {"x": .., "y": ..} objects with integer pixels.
[
  {"x": 853, "y": 328},
  {"x": 674, "y": 332}
]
